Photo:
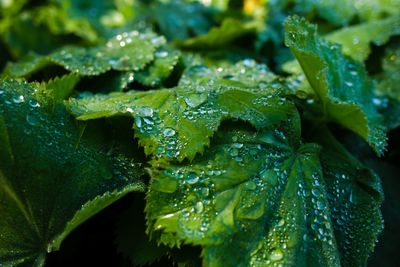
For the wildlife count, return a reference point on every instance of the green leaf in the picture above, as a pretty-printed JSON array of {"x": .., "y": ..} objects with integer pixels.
[
  {"x": 342, "y": 86},
  {"x": 160, "y": 69},
  {"x": 387, "y": 90},
  {"x": 57, "y": 89},
  {"x": 44, "y": 29},
  {"x": 181, "y": 20},
  {"x": 356, "y": 196},
  {"x": 128, "y": 51},
  {"x": 51, "y": 177},
  {"x": 219, "y": 37},
  {"x": 262, "y": 199},
  {"x": 177, "y": 123},
  {"x": 355, "y": 40},
  {"x": 342, "y": 12},
  {"x": 247, "y": 74},
  {"x": 389, "y": 81}
]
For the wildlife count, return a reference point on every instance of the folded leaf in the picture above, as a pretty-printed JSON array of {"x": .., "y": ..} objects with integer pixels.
[
  {"x": 341, "y": 85},
  {"x": 51, "y": 178}
]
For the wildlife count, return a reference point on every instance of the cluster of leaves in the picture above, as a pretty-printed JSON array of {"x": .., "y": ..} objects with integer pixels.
[{"x": 251, "y": 131}]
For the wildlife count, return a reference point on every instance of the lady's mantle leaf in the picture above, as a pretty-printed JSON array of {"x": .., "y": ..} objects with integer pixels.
[
  {"x": 355, "y": 40},
  {"x": 125, "y": 52},
  {"x": 388, "y": 88},
  {"x": 51, "y": 178},
  {"x": 262, "y": 199},
  {"x": 229, "y": 31},
  {"x": 389, "y": 81},
  {"x": 177, "y": 123},
  {"x": 160, "y": 69},
  {"x": 342, "y": 85},
  {"x": 355, "y": 197}
]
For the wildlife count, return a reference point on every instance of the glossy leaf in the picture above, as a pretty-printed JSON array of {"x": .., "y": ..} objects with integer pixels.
[
  {"x": 262, "y": 199},
  {"x": 342, "y": 86},
  {"x": 160, "y": 69},
  {"x": 355, "y": 197},
  {"x": 128, "y": 51},
  {"x": 177, "y": 123},
  {"x": 51, "y": 177}
]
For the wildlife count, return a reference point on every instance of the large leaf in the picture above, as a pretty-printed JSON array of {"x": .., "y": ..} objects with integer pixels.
[
  {"x": 356, "y": 40},
  {"x": 342, "y": 86},
  {"x": 51, "y": 177},
  {"x": 355, "y": 195},
  {"x": 177, "y": 123},
  {"x": 262, "y": 199}
]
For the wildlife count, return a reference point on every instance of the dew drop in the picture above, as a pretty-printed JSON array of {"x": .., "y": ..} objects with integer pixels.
[
  {"x": 19, "y": 99},
  {"x": 31, "y": 119},
  {"x": 33, "y": 103},
  {"x": 169, "y": 132},
  {"x": 138, "y": 122},
  {"x": 161, "y": 54},
  {"x": 195, "y": 100},
  {"x": 199, "y": 207},
  {"x": 276, "y": 255},
  {"x": 145, "y": 111},
  {"x": 192, "y": 178}
]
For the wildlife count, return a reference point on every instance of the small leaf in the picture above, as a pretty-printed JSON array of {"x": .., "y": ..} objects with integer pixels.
[
  {"x": 128, "y": 51},
  {"x": 218, "y": 37},
  {"x": 341, "y": 85},
  {"x": 355, "y": 40},
  {"x": 160, "y": 69}
]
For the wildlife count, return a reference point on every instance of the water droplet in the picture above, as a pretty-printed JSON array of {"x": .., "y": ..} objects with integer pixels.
[
  {"x": 237, "y": 145},
  {"x": 276, "y": 255},
  {"x": 33, "y": 103},
  {"x": 195, "y": 100},
  {"x": 169, "y": 132},
  {"x": 138, "y": 122},
  {"x": 31, "y": 119},
  {"x": 161, "y": 54},
  {"x": 205, "y": 191},
  {"x": 192, "y": 178},
  {"x": 145, "y": 111},
  {"x": 315, "y": 192},
  {"x": 349, "y": 84},
  {"x": 199, "y": 207},
  {"x": 19, "y": 99}
]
